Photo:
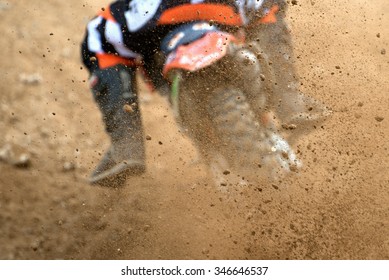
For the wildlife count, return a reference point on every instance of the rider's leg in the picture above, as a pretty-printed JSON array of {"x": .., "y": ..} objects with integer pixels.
[
  {"x": 292, "y": 107},
  {"x": 115, "y": 93}
]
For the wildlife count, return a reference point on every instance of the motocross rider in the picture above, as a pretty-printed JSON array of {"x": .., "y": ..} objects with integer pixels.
[{"x": 130, "y": 31}]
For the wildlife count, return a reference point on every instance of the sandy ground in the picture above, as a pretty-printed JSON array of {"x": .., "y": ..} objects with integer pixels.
[{"x": 336, "y": 207}]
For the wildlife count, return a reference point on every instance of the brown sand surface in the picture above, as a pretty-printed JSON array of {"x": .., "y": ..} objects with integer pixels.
[{"x": 336, "y": 207}]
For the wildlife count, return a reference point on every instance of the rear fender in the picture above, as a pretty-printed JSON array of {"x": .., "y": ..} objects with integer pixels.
[{"x": 200, "y": 53}]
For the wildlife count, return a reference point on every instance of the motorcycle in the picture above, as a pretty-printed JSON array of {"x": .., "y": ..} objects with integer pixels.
[{"x": 219, "y": 92}]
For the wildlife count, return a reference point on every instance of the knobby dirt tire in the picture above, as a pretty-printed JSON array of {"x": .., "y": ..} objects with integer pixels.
[{"x": 240, "y": 134}]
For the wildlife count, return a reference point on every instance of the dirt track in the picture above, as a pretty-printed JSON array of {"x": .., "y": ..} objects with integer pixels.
[{"x": 336, "y": 207}]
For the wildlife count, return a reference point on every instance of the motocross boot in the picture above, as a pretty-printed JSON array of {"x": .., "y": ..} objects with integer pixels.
[
  {"x": 115, "y": 93},
  {"x": 294, "y": 109}
]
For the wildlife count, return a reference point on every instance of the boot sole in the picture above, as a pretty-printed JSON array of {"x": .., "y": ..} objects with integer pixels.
[{"x": 117, "y": 175}]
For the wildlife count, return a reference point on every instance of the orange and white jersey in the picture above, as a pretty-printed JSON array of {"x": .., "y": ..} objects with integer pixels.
[{"x": 128, "y": 30}]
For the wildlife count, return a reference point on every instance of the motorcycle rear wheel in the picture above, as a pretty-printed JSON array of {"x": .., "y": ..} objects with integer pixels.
[{"x": 242, "y": 139}]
